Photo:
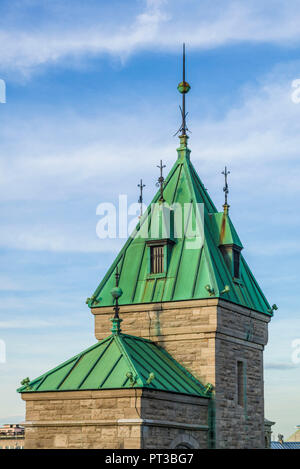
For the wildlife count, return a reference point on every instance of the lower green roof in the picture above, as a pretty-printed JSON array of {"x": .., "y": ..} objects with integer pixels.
[{"x": 120, "y": 361}]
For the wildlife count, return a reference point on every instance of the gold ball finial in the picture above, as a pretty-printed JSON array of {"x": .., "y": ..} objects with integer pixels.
[{"x": 183, "y": 87}]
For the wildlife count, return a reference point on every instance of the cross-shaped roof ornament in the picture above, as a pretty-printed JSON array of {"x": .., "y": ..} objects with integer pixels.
[
  {"x": 140, "y": 201},
  {"x": 225, "y": 189},
  {"x": 160, "y": 181}
]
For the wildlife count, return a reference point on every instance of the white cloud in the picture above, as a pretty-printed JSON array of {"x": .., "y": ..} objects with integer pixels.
[
  {"x": 56, "y": 321},
  {"x": 259, "y": 139},
  {"x": 264, "y": 126},
  {"x": 279, "y": 366},
  {"x": 55, "y": 239},
  {"x": 55, "y": 156},
  {"x": 58, "y": 39},
  {"x": 25, "y": 324},
  {"x": 261, "y": 135},
  {"x": 74, "y": 33},
  {"x": 280, "y": 248}
]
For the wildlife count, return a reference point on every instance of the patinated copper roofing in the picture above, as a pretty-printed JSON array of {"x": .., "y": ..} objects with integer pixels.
[
  {"x": 189, "y": 271},
  {"x": 120, "y": 361}
]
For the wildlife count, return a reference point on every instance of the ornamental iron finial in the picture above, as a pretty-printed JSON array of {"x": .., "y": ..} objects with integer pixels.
[
  {"x": 140, "y": 201},
  {"x": 160, "y": 181},
  {"x": 183, "y": 88},
  {"x": 116, "y": 292},
  {"x": 225, "y": 189},
  {"x": 26, "y": 382}
]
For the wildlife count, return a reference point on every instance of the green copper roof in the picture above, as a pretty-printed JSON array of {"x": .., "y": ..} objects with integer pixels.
[
  {"x": 225, "y": 230},
  {"x": 119, "y": 362},
  {"x": 191, "y": 274}
]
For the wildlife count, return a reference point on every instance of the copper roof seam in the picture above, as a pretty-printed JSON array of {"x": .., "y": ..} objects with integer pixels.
[
  {"x": 68, "y": 373},
  {"x": 158, "y": 364},
  {"x": 197, "y": 271},
  {"x": 110, "y": 371},
  {"x": 94, "y": 365},
  {"x": 138, "y": 274},
  {"x": 122, "y": 348},
  {"x": 149, "y": 364},
  {"x": 179, "y": 261}
]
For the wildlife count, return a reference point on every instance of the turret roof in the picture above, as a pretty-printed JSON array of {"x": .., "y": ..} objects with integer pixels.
[{"x": 190, "y": 271}]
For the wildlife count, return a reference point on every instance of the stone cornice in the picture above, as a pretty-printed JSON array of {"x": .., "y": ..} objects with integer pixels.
[
  {"x": 119, "y": 422},
  {"x": 170, "y": 305}
]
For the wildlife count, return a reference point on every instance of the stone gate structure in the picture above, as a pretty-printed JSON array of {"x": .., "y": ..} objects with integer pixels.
[{"x": 186, "y": 370}]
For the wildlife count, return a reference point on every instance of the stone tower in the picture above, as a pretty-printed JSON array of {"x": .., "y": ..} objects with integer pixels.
[
  {"x": 204, "y": 307},
  {"x": 187, "y": 289}
]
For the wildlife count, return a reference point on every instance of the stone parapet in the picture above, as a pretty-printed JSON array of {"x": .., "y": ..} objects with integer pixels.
[{"x": 114, "y": 419}]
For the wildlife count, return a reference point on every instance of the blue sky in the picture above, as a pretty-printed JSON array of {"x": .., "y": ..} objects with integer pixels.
[{"x": 91, "y": 107}]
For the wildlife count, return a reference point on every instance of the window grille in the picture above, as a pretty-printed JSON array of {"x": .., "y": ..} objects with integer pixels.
[{"x": 157, "y": 259}]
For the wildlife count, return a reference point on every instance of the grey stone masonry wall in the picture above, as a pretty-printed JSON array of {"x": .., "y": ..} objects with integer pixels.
[
  {"x": 186, "y": 329},
  {"x": 172, "y": 419},
  {"x": 208, "y": 337},
  {"x": 117, "y": 419},
  {"x": 240, "y": 337},
  {"x": 83, "y": 419}
]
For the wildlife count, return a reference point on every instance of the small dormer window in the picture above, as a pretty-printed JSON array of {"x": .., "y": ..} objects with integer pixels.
[
  {"x": 232, "y": 257},
  {"x": 156, "y": 259},
  {"x": 159, "y": 255},
  {"x": 236, "y": 263}
]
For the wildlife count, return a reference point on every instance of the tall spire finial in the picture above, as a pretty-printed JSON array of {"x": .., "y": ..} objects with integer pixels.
[
  {"x": 140, "y": 201},
  {"x": 160, "y": 181},
  {"x": 226, "y": 190},
  {"x": 183, "y": 88},
  {"x": 116, "y": 292}
]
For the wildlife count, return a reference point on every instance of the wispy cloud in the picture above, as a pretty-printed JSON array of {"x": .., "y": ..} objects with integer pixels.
[
  {"x": 276, "y": 247},
  {"x": 263, "y": 129},
  {"x": 25, "y": 324},
  {"x": 258, "y": 137},
  {"x": 35, "y": 323},
  {"x": 265, "y": 125},
  {"x": 61, "y": 38},
  {"x": 279, "y": 366},
  {"x": 58, "y": 239},
  {"x": 68, "y": 151},
  {"x": 160, "y": 24}
]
